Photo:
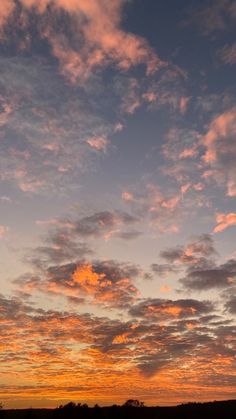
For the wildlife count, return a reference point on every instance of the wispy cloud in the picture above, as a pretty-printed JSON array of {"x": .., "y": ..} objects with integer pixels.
[
  {"x": 213, "y": 16},
  {"x": 96, "y": 39},
  {"x": 227, "y": 54}
]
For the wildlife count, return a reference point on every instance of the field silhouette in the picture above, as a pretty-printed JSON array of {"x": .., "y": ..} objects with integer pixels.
[{"x": 132, "y": 409}]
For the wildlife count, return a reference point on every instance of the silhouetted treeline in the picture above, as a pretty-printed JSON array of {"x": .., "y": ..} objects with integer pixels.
[{"x": 132, "y": 409}]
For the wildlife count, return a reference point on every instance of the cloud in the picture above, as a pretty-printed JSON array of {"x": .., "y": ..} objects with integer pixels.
[
  {"x": 198, "y": 262},
  {"x": 220, "y": 150},
  {"x": 163, "y": 270},
  {"x": 98, "y": 143},
  {"x": 97, "y": 39},
  {"x": 13, "y": 308},
  {"x": 196, "y": 161},
  {"x": 220, "y": 129},
  {"x": 182, "y": 152},
  {"x": 5, "y": 199},
  {"x": 3, "y": 230},
  {"x": 6, "y": 8},
  {"x": 221, "y": 276},
  {"x": 165, "y": 288},
  {"x": 161, "y": 308},
  {"x": 181, "y": 144},
  {"x": 227, "y": 54},
  {"x": 183, "y": 344},
  {"x": 194, "y": 253},
  {"x": 46, "y": 142},
  {"x": 150, "y": 203},
  {"x": 168, "y": 91},
  {"x": 44, "y": 139},
  {"x": 224, "y": 221},
  {"x": 49, "y": 142},
  {"x": 183, "y": 104},
  {"x": 230, "y": 305},
  {"x": 104, "y": 223},
  {"x": 214, "y": 16},
  {"x": 62, "y": 264},
  {"x": 108, "y": 283}
]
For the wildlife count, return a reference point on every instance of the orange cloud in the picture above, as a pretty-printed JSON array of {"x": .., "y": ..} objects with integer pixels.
[
  {"x": 165, "y": 288},
  {"x": 172, "y": 310},
  {"x": 224, "y": 221},
  {"x": 89, "y": 280}
]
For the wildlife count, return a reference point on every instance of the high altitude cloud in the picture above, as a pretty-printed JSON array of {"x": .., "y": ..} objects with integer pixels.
[
  {"x": 214, "y": 16},
  {"x": 43, "y": 138},
  {"x": 227, "y": 54},
  {"x": 97, "y": 38},
  {"x": 48, "y": 142},
  {"x": 201, "y": 158}
]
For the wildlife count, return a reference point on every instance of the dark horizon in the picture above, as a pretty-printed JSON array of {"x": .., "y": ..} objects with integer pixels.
[
  {"x": 77, "y": 405},
  {"x": 216, "y": 410}
]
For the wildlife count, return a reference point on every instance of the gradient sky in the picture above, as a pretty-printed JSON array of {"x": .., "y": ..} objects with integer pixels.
[{"x": 117, "y": 201}]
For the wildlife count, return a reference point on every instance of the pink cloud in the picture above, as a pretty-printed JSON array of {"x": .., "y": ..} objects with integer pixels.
[
  {"x": 224, "y": 221},
  {"x": 171, "y": 203},
  {"x": 222, "y": 126},
  {"x": 98, "y": 22},
  {"x": 150, "y": 96},
  {"x": 188, "y": 153},
  {"x": 98, "y": 143},
  {"x": 220, "y": 154},
  {"x": 161, "y": 209},
  {"x": 183, "y": 104}
]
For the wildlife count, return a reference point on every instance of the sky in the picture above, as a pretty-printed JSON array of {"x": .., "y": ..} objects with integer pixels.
[{"x": 117, "y": 201}]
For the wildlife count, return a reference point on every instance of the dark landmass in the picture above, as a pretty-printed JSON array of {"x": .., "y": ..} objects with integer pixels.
[{"x": 131, "y": 410}]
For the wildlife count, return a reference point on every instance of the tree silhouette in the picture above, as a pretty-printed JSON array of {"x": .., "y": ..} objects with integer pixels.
[{"x": 133, "y": 403}]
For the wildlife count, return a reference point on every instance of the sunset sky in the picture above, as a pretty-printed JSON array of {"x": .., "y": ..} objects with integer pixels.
[{"x": 117, "y": 201}]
